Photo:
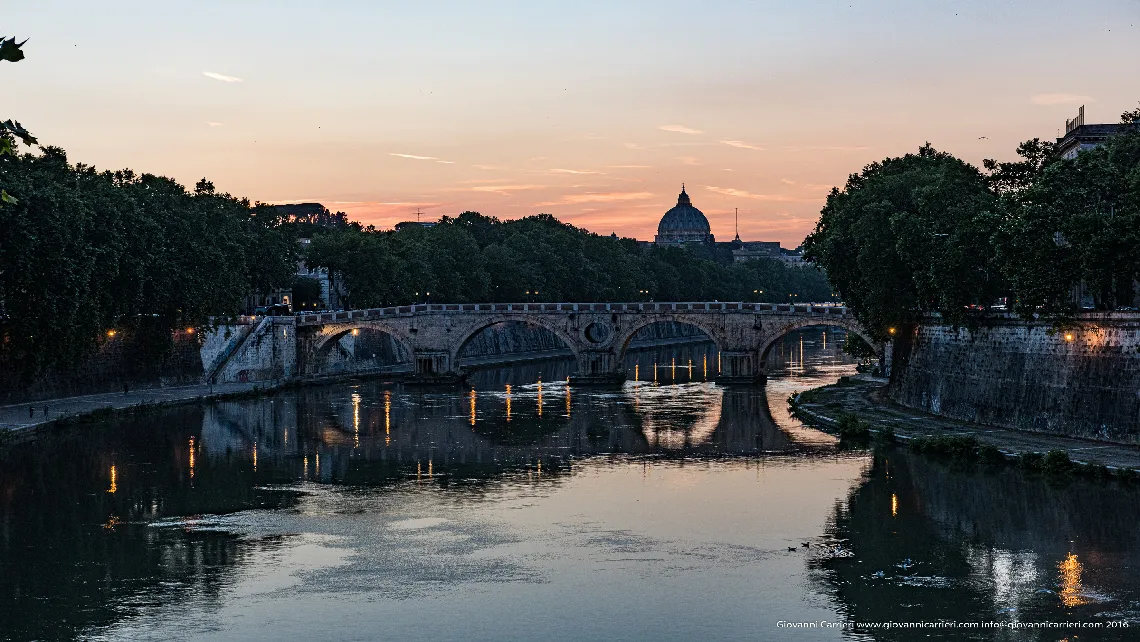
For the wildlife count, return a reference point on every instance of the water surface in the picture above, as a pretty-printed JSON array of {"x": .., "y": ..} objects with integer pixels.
[{"x": 523, "y": 508}]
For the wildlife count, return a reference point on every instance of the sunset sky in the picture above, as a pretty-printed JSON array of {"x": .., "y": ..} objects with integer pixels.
[{"x": 595, "y": 112}]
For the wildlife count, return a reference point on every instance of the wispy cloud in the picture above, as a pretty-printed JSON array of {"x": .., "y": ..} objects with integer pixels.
[
  {"x": 631, "y": 167},
  {"x": 823, "y": 148},
  {"x": 807, "y": 186},
  {"x": 212, "y": 123},
  {"x": 741, "y": 144},
  {"x": 427, "y": 158},
  {"x": 739, "y": 193},
  {"x": 689, "y": 160},
  {"x": 679, "y": 129},
  {"x": 221, "y": 77},
  {"x": 598, "y": 197},
  {"x": 1061, "y": 99},
  {"x": 573, "y": 171},
  {"x": 505, "y": 190},
  {"x": 489, "y": 167}
]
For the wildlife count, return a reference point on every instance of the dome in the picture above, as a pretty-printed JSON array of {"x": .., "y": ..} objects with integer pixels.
[{"x": 684, "y": 223}]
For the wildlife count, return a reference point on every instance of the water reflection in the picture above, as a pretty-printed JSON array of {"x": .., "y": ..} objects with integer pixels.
[
  {"x": 659, "y": 489},
  {"x": 975, "y": 545}
]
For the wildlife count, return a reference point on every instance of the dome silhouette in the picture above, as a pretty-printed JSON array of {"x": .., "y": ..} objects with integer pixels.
[{"x": 683, "y": 224}]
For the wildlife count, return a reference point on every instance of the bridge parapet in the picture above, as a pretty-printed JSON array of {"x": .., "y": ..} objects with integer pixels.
[{"x": 570, "y": 308}]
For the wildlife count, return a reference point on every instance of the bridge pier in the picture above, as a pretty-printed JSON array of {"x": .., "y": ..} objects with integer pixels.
[
  {"x": 739, "y": 367},
  {"x": 434, "y": 367},
  {"x": 598, "y": 367}
]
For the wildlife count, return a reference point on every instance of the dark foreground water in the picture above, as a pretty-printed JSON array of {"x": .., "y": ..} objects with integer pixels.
[{"x": 527, "y": 510}]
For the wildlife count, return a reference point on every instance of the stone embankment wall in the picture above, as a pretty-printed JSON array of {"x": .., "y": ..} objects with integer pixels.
[
  {"x": 265, "y": 351},
  {"x": 1082, "y": 381}
]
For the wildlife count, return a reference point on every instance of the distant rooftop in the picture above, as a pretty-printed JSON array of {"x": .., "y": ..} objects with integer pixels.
[
  {"x": 1080, "y": 137},
  {"x": 409, "y": 224}
]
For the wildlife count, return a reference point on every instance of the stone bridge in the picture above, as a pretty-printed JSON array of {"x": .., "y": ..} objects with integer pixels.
[{"x": 597, "y": 334}]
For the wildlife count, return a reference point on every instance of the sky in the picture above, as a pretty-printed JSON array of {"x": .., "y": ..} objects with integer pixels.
[{"x": 593, "y": 111}]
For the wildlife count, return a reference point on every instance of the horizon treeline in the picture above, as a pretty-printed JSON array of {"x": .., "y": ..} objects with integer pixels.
[
  {"x": 476, "y": 258},
  {"x": 930, "y": 233}
]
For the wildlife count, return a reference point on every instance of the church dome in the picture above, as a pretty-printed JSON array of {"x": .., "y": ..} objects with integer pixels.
[{"x": 684, "y": 223}]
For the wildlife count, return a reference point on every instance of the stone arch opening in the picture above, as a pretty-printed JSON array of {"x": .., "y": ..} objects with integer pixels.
[
  {"x": 776, "y": 335},
  {"x": 669, "y": 350},
  {"x": 513, "y": 340},
  {"x": 363, "y": 348}
]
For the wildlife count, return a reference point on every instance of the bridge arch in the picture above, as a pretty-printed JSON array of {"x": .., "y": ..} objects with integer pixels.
[
  {"x": 621, "y": 343},
  {"x": 468, "y": 333},
  {"x": 848, "y": 324},
  {"x": 331, "y": 334}
]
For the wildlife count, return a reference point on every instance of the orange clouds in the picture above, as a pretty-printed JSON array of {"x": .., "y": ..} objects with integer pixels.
[
  {"x": 679, "y": 129},
  {"x": 593, "y": 197},
  {"x": 739, "y": 193}
]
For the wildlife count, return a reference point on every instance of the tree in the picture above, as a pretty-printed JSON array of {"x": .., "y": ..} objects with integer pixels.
[
  {"x": 1130, "y": 117},
  {"x": 1011, "y": 178},
  {"x": 11, "y": 130},
  {"x": 86, "y": 253},
  {"x": 907, "y": 236},
  {"x": 306, "y": 293},
  {"x": 1078, "y": 224}
]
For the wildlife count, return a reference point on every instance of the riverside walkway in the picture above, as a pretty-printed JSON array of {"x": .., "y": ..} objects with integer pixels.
[
  {"x": 17, "y": 416},
  {"x": 863, "y": 396}
]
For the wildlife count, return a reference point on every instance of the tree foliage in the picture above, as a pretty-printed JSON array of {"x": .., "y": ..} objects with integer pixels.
[
  {"x": 1077, "y": 226},
  {"x": 475, "y": 258},
  {"x": 929, "y": 233},
  {"x": 1130, "y": 117},
  {"x": 907, "y": 236},
  {"x": 85, "y": 252}
]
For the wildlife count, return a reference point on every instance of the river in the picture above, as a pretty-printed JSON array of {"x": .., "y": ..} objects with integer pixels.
[{"x": 521, "y": 508}]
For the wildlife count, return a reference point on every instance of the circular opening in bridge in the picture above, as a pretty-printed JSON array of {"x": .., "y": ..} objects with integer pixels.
[
  {"x": 671, "y": 352},
  {"x": 597, "y": 332},
  {"x": 365, "y": 350},
  {"x": 515, "y": 352}
]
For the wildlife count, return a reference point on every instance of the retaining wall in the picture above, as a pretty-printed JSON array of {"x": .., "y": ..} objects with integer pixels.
[{"x": 1081, "y": 381}]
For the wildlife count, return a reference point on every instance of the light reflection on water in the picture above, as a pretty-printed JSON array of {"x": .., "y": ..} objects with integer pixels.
[{"x": 523, "y": 506}]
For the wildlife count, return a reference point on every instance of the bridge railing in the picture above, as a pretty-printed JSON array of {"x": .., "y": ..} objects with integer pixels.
[{"x": 514, "y": 308}]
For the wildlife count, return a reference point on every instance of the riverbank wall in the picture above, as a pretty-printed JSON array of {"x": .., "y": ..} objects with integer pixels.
[{"x": 1079, "y": 380}]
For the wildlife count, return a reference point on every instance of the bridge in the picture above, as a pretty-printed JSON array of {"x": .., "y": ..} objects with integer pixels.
[{"x": 597, "y": 334}]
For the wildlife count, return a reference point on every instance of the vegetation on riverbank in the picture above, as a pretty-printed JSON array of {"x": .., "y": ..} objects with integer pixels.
[{"x": 928, "y": 232}]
